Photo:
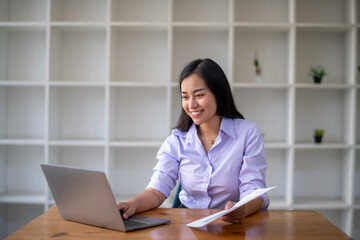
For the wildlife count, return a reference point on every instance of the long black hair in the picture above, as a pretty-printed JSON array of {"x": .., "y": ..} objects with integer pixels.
[{"x": 218, "y": 84}]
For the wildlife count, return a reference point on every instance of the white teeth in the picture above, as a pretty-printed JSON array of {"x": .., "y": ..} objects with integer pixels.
[{"x": 195, "y": 112}]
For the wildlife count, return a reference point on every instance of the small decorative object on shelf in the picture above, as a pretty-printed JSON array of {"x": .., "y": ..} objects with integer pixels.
[
  {"x": 317, "y": 73},
  {"x": 318, "y": 134},
  {"x": 257, "y": 68}
]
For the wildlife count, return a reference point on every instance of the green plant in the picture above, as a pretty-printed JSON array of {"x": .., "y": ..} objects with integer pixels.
[
  {"x": 319, "y": 132},
  {"x": 317, "y": 72},
  {"x": 257, "y": 65}
]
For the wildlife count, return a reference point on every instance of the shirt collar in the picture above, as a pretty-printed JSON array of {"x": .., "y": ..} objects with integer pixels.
[{"x": 227, "y": 126}]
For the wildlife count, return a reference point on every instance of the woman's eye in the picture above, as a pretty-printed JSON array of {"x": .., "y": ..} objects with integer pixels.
[
  {"x": 184, "y": 97},
  {"x": 199, "y": 95}
]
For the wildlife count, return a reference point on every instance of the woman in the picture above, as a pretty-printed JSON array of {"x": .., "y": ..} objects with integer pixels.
[{"x": 217, "y": 153}]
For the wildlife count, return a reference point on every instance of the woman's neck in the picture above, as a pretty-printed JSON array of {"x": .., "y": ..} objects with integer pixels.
[{"x": 210, "y": 129}]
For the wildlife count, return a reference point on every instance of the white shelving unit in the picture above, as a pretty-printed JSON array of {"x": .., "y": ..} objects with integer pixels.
[{"x": 93, "y": 84}]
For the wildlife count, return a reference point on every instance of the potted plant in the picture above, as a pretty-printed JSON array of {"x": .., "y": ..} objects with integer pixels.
[
  {"x": 257, "y": 68},
  {"x": 318, "y": 134},
  {"x": 317, "y": 73}
]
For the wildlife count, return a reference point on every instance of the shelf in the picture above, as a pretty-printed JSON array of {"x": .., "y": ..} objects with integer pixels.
[
  {"x": 21, "y": 161},
  {"x": 77, "y": 54},
  {"x": 19, "y": 198},
  {"x": 319, "y": 203},
  {"x": 137, "y": 109},
  {"x": 139, "y": 55},
  {"x": 136, "y": 144},
  {"x": 78, "y": 10},
  {"x": 186, "y": 47},
  {"x": 267, "y": 85},
  {"x": 272, "y": 53},
  {"x": 311, "y": 190},
  {"x": 23, "y": 11},
  {"x": 126, "y": 165},
  {"x": 22, "y": 112},
  {"x": 76, "y": 143},
  {"x": 333, "y": 104},
  {"x": 336, "y": 11},
  {"x": 255, "y": 108},
  {"x": 322, "y": 86},
  {"x": 206, "y": 11},
  {"x": 323, "y": 145},
  {"x": 22, "y": 54},
  {"x": 25, "y": 141},
  {"x": 151, "y": 11},
  {"x": 273, "y": 11},
  {"x": 77, "y": 113},
  {"x": 327, "y": 48},
  {"x": 94, "y": 84}
]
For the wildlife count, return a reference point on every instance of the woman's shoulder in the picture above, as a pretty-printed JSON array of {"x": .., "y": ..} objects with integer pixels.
[
  {"x": 244, "y": 124},
  {"x": 178, "y": 133}
]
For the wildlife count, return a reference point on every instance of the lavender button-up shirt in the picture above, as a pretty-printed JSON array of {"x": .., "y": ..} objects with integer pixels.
[{"x": 233, "y": 168}]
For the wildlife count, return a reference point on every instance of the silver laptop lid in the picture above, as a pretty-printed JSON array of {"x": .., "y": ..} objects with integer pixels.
[{"x": 83, "y": 196}]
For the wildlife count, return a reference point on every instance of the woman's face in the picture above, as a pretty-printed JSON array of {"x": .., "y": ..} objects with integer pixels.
[{"x": 197, "y": 100}]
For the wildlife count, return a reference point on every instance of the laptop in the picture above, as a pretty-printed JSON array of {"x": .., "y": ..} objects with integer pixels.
[{"x": 85, "y": 196}]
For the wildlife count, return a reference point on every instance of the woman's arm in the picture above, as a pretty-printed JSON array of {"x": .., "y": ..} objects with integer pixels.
[
  {"x": 238, "y": 215},
  {"x": 150, "y": 198}
]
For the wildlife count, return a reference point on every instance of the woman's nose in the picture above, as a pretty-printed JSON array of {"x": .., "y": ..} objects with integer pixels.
[{"x": 193, "y": 103}]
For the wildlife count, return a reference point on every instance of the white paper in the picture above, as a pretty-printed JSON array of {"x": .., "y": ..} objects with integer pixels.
[{"x": 203, "y": 221}]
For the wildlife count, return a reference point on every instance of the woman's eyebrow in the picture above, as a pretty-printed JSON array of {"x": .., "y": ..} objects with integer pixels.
[{"x": 196, "y": 90}]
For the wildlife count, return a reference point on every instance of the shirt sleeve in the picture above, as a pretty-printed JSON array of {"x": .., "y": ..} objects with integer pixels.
[
  {"x": 253, "y": 170},
  {"x": 167, "y": 168}
]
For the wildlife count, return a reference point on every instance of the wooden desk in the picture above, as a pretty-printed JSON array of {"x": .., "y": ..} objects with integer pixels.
[{"x": 270, "y": 224}]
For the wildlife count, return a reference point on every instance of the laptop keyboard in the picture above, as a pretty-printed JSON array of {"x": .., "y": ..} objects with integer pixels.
[{"x": 129, "y": 224}]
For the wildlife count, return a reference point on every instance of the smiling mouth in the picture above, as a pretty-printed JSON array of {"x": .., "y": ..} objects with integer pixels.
[{"x": 196, "y": 113}]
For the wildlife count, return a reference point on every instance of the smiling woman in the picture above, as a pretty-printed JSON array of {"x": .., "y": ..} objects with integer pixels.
[{"x": 217, "y": 153}]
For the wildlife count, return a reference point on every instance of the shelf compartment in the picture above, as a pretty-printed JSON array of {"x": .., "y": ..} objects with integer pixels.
[
  {"x": 20, "y": 173},
  {"x": 333, "y": 105},
  {"x": 272, "y": 52},
  {"x": 150, "y": 11},
  {"x": 15, "y": 216},
  {"x": 22, "y": 112},
  {"x": 139, "y": 55},
  {"x": 273, "y": 102},
  {"x": 22, "y": 54},
  {"x": 78, "y": 10},
  {"x": 23, "y": 10},
  {"x": 201, "y": 11},
  {"x": 126, "y": 165},
  {"x": 326, "y": 47},
  {"x": 138, "y": 114},
  {"x": 332, "y": 11},
  {"x": 277, "y": 165},
  {"x": 357, "y": 178},
  {"x": 86, "y": 157},
  {"x": 176, "y": 106},
  {"x": 327, "y": 191},
  {"x": 261, "y": 11},
  {"x": 188, "y": 44},
  {"x": 78, "y": 54},
  {"x": 77, "y": 113}
]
